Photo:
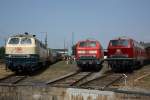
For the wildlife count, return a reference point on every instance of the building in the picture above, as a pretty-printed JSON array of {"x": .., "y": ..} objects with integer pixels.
[
  {"x": 147, "y": 47},
  {"x": 61, "y": 51}
]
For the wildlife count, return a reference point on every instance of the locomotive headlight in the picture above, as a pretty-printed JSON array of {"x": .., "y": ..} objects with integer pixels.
[
  {"x": 9, "y": 56},
  {"x": 93, "y": 51},
  {"x": 118, "y": 51},
  {"x": 81, "y": 52},
  {"x": 126, "y": 55},
  {"x": 28, "y": 56}
]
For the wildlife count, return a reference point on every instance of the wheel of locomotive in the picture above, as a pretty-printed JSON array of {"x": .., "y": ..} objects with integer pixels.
[
  {"x": 137, "y": 65},
  {"x": 113, "y": 68},
  {"x": 80, "y": 67},
  {"x": 44, "y": 64},
  {"x": 11, "y": 68},
  {"x": 6, "y": 67},
  {"x": 98, "y": 67},
  {"x": 141, "y": 64},
  {"x": 130, "y": 70}
]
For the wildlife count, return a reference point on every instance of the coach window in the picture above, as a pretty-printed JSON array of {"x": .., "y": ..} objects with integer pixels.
[
  {"x": 25, "y": 41},
  {"x": 14, "y": 41}
]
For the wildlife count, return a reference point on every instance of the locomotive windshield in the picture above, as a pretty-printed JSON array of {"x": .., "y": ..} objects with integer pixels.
[
  {"x": 25, "y": 41},
  {"x": 87, "y": 44},
  {"x": 14, "y": 41},
  {"x": 119, "y": 42},
  {"x": 17, "y": 40}
]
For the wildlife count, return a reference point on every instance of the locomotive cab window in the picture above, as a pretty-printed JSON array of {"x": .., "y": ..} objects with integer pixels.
[
  {"x": 87, "y": 44},
  {"x": 82, "y": 44},
  {"x": 25, "y": 41},
  {"x": 13, "y": 41},
  {"x": 92, "y": 44},
  {"x": 119, "y": 42}
]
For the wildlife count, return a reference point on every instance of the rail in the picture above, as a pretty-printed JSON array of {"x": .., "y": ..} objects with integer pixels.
[
  {"x": 102, "y": 82},
  {"x": 69, "y": 80},
  {"x": 11, "y": 79}
]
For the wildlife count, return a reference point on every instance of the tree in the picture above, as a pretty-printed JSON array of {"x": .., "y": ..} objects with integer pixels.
[
  {"x": 74, "y": 49},
  {"x": 2, "y": 52}
]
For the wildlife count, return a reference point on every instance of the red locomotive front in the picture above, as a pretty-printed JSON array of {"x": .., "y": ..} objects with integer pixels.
[
  {"x": 89, "y": 54},
  {"x": 120, "y": 48},
  {"x": 125, "y": 54}
]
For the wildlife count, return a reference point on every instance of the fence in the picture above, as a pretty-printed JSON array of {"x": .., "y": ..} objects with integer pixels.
[{"x": 43, "y": 92}]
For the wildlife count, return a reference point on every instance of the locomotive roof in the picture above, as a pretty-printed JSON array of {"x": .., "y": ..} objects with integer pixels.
[
  {"x": 87, "y": 40},
  {"x": 27, "y": 36},
  {"x": 123, "y": 37},
  {"x": 24, "y": 35},
  {"x": 147, "y": 45}
]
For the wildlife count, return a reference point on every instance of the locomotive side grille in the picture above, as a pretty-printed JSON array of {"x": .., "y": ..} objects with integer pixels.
[
  {"x": 119, "y": 56},
  {"x": 21, "y": 56}
]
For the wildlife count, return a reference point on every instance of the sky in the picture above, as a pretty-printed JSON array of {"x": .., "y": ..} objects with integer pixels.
[{"x": 63, "y": 19}]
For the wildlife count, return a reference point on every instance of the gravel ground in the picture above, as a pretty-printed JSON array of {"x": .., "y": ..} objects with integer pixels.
[
  {"x": 54, "y": 71},
  {"x": 3, "y": 71},
  {"x": 51, "y": 72},
  {"x": 139, "y": 79},
  {"x": 144, "y": 82}
]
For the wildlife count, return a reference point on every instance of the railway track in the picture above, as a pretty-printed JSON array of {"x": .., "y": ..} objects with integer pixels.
[
  {"x": 77, "y": 79},
  {"x": 12, "y": 79},
  {"x": 71, "y": 79},
  {"x": 103, "y": 81},
  {"x": 84, "y": 80}
]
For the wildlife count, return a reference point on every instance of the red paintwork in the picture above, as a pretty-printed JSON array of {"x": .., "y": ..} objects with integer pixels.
[
  {"x": 98, "y": 48},
  {"x": 133, "y": 49},
  {"x": 148, "y": 53}
]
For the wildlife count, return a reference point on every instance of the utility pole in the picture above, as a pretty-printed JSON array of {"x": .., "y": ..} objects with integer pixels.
[
  {"x": 46, "y": 40},
  {"x": 4, "y": 38},
  {"x": 72, "y": 48},
  {"x": 72, "y": 38},
  {"x": 64, "y": 45}
]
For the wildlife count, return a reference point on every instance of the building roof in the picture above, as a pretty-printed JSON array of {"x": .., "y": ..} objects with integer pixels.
[
  {"x": 60, "y": 49},
  {"x": 147, "y": 45}
]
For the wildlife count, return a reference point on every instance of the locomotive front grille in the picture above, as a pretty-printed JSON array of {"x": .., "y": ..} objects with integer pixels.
[
  {"x": 119, "y": 56},
  {"x": 91, "y": 60},
  {"x": 87, "y": 58}
]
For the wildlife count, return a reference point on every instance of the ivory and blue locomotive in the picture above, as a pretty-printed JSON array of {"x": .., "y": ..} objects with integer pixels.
[{"x": 24, "y": 52}]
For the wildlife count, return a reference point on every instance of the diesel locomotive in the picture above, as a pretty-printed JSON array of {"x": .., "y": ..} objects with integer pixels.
[
  {"x": 125, "y": 54},
  {"x": 89, "y": 54},
  {"x": 24, "y": 52}
]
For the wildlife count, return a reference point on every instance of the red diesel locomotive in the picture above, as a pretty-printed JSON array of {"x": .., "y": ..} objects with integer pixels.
[
  {"x": 125, "y": 54},
  {"x": 89, "y": 54}
]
